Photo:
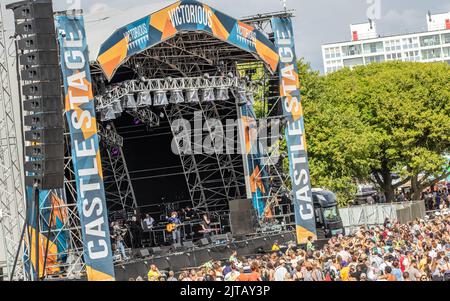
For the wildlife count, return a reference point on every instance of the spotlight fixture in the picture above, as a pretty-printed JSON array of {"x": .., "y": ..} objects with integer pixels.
[
  {"x": 109, "y": 113},
  {"x": 230, "y": 75},
  {"x": 208, "y": 94},
  {"x": 222, "y": 94},
  {"x": 206, "y": 76},
  {"x": 250, "y": 98},
  {"x": 117, "y": 106},
  {"x": 192, "y": 96},
  {"x": 130, "y": 102},
  {"x": 241, "y": 98},
  {"x": 160, "y": 98},
  {"x": 144, "y": 99},
  {"x": 176, "y": 96},
  {"x": 161, "y": 115}
]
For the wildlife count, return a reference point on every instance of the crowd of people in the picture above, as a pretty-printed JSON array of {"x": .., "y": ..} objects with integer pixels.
[
  {"x": 417, "y": 251},
  {"x": 436, "y": 198}
]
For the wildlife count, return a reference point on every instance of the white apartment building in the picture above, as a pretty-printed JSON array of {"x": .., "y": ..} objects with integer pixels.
[{"x": 368, "y": 47}]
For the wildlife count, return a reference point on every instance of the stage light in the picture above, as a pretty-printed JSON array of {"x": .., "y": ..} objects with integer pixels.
[
  {"x": 160, "y": 98},
  {"x": 109, "y": 113},
  {"x": 176, "y": 96},
  {"x": 206, "y": 76},
  {"x": 222, "y": 94},
  {"x": 230, "y": 75},
  {"x": 250, "y": 98},
  {"x": 130, "y": 102},
  {"x": 241, "y": 98},
  {"x": 208, "y": 95},
  {"x": 117, "y": 106},
  {"x": 192, "y": 96},
  {"x": 108, "y": 127},
  {"x": 161, "y": 115},
  {"x": 169, "y": 79},
  {"x": 144, "y": 99},
  {"x": 136, "y": 121}
]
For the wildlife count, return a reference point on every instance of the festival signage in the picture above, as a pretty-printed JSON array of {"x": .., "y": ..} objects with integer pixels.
[
  {"x": 256, "y": 173},
  {"x": 182, "y": 16},
  {"x": 295, "y": 129},
  {"x": 80, "y": 113}
]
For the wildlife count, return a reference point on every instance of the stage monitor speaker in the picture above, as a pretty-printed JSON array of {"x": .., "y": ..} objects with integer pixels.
[
  {"x": 177, "y": 246},
  {"x": 204, "y": 241},
  {"x": 45, "y": 136},
  {"x": 144, "y": 253},
  {"x": 44, "y": 120},
  {"x": 41, "y": 73},
  {"x": 42, "y": 89},
  {"x": 40, "y": 57},
  {"x": 45, "y": 151},
  {"x": 188, "y": 244},
  {"x": 38, "y": 42},
  {"x": 156, "y": 250},
  {"x": 38, "y": 9},
  {"x": 42, "y": 105},
  {"x": 242, "y": 217},
  {"x": 45, "y": 182}
]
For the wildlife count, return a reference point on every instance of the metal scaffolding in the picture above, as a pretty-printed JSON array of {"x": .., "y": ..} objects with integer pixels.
[{"x": 12, "y": 202}]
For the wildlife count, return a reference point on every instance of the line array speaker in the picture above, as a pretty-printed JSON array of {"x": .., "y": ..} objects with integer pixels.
[{"x": 42, "y": 88}]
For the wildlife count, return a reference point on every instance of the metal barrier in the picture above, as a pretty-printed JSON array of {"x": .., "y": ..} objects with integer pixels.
[{"x": 374, "y": 215}]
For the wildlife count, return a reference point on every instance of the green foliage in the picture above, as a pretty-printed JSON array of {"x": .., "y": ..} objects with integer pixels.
[{"x": 376, "y": 120}]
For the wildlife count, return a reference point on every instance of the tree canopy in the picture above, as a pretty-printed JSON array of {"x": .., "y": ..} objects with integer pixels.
[{"x": 371, "y": 122}]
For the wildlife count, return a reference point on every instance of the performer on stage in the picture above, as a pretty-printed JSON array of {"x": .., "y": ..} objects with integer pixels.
[
  {"x": 147, "y": 226},
  {"x": 206, "y": 225},
  {"x": 189, "y": 214},
  {"x": 147, "y": 222},
  {"x": 117, "y": 234},
  {"x": 174, "y": 223}
]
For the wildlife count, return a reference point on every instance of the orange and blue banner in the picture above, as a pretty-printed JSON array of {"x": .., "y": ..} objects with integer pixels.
[
  {"x": 80, "y": 113},
  {"x": 53, "y": 237},
  {"x": 182, "y": 16},
  {"x": 257, "y": 173},
  {"x": 295, "y": 130}
]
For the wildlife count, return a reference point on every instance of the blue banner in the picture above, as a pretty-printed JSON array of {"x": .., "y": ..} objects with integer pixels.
[
  {"x": 80, "y": 113},
  {"x": 295, "y": 130}
]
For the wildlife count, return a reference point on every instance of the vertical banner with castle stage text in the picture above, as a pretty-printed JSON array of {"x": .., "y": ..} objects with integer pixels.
[
  {"x": 295, "y": 129},
  {"x": 80, "y": 113}
]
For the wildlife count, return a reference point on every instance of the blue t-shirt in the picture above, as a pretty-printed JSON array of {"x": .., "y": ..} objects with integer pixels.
[{"x": 398, "y": 274}]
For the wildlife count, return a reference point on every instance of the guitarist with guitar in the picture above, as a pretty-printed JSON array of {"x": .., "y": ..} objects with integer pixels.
[{"x": 173, "y": 227}]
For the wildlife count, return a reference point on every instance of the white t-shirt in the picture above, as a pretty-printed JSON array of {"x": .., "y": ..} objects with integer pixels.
[{"x": 280, "y": 273}]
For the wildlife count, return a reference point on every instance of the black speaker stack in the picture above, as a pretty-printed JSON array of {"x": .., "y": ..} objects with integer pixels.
[
  {"x": 41, "y": 84},
  {"x": 243, "y": 219}
]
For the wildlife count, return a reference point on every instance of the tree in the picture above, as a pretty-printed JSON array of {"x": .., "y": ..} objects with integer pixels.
[{"x": 373, "y": 121}]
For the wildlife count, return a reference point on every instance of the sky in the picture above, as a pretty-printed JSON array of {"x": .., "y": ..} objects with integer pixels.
[{"x": 316, "y": 21}]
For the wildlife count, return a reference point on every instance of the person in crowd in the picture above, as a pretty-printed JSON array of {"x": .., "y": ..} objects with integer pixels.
[
  {"x": 153, "y": 274},
  {"x": 416, "y": 251},
  {"x": 172, "y": 276}
]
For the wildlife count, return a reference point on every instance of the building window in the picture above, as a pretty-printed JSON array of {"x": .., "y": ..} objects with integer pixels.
[
  {"x": 410, "y": 43},
  {"x": 394, "y": 56},
  {"x": 431, "y": 54},
  {"x": 446, "y": 51},
  {"x": 351, "y": 50},
  {"x": 353, "y": 62},
  {"x": 428, "y": 41},
  {"x": 373, "y": 47},
  {"x": 412, "y": 56},
  {"x": 446, "y": 38},
  {"x": 375, "y": 59}
]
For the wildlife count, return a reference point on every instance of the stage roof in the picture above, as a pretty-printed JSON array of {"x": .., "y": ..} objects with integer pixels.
[{"x": 183, "y": 17}]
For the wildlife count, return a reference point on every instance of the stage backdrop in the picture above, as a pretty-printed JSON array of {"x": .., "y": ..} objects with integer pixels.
[
  {"x": 295, "y": 129},
  {"x": 80, "y": 113},
  {"x": 185, "y": 15}
]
